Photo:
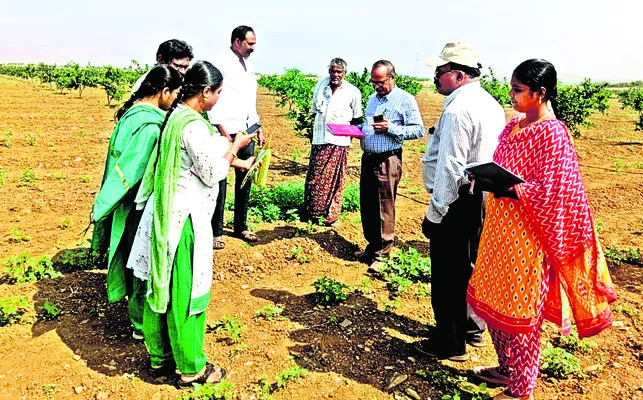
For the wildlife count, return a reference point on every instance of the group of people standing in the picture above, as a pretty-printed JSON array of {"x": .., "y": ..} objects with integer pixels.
[{"x": 506, "y": 257}]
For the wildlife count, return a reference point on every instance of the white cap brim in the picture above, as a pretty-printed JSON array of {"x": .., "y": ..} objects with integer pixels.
[{"x": 435, "y": 61}]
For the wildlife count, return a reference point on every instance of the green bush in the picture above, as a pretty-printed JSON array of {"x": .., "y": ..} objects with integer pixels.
[
  {"x": 350, "y": 203},
  {"x": 573, "y": 343},
  {"x": 499, "y": 90},
  {"x": 11, "y": 309},
  {"x": 230, "y": 324},
  {"x": 577, "y": 102},
  {"x": 559, "y": 363},
  {"x": 329, "y": 291},
  {"x": 50, "y": 311},
  {"x": 633, "y": 98},
  {"x": 269, "y": 312},
  {"x": 290, "y": 374},
  {"x": 208, "y": 391},
  {"x": 23, "y": 269},
  {"x": 406, "y": 267}
]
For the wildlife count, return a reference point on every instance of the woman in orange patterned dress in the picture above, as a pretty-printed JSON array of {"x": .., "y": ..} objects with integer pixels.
[{"x": 539, "y": 255}]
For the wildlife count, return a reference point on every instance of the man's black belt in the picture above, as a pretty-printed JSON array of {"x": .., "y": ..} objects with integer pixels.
[{"x": 385, "y": 154}]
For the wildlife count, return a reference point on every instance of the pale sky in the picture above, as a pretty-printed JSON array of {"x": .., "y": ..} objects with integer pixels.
[{"x": 598, "y": 39}]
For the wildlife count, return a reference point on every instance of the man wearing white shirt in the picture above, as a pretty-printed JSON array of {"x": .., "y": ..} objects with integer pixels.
[
  {"x": 235, "y": 111},
  {"x": 338, "y": 102},
  {"x": 466, "y": 133}
]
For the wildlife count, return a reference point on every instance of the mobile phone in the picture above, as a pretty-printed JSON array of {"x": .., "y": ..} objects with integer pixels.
[
  {"x": 378, "y": 118},
  {"x": 251, "y": 129}
]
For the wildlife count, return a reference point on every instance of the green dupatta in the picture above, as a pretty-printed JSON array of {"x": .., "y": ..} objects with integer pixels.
[{"x": 163, "y": 182}]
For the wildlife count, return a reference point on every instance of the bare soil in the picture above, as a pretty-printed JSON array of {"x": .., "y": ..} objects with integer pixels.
[{"x": 88, "y": 353}]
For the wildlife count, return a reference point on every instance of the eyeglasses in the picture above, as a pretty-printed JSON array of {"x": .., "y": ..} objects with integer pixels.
[{"x": 380, "y": 83}]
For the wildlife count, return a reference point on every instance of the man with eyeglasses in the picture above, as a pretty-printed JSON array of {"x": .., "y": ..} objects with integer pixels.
[
  {"x": 235, "y": 111},
  {"x": 175, "y": 53},
  {"x": 392, "y": 116},
  {"x": 466, "y": 133}
]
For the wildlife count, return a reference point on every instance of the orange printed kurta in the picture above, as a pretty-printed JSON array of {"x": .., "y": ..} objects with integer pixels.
[
  {"x": 552, "y": 222},
  {"x": 508, "y": 274}
]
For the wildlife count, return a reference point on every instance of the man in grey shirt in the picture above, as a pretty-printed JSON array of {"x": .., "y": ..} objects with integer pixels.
[{"x": 466, "y": 133}]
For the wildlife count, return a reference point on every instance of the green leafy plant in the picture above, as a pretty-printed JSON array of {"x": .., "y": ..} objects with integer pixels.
[
  {"x": 28, "y": 176},
  {"x": 31, "y": 140},
  {"x": 498, "y": 89},
  {"x": 291, "y": 374},
  {"x": 329, "y": 291},
  {"x": 406, "y": 267},
  {"x": 230, "y": 324},
  {"x": 207, "y": 391},
  {"x": 633, "y": 98},
  {"x": 269, "y": 312},
  {"x": 295, "y": 155},
  {"x": 6, "y": 139},
  {"x": 58, "y": 176},
  {"x": 573, "y": 343},
  {"x": 17, "y": 236},
  {"x": 3, "y": 173},
  {"x": 79, "y": 259},
  {"x": 577, "y": 102},
  {"x": 50, "y": 311},
  {"x": 364, "y": 287},
  {"x": 559, "y": 363},
  {"x": 12, "y": 309},
  {"x": 65, "y": 223},
  {"x": 23, "y": 269},
  {"x": 628, "y": 310},
  {"x": 350, "y": 202},
  {"x": 296, "y": 253},
  {"x": 85, "y": 179}
]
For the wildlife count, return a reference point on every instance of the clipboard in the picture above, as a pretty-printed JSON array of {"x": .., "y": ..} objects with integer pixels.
[
  {"x": 494, "y": 173},
  {"x": 345, "y": 130}
]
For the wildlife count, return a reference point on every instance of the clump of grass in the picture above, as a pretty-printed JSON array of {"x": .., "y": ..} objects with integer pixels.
[{"x": 28, "y": 176}]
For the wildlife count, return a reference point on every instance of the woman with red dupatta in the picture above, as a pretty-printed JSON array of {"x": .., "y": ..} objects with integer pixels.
[{"x": 539, "y": 255}]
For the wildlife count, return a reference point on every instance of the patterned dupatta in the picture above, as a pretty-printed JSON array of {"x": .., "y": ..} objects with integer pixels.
[{"x": 555, "y": 200}]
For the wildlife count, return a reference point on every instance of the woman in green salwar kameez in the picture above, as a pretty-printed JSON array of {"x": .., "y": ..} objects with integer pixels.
[
  {"x": 172, "y": 250},
  {"x": 130, "y": 146}
]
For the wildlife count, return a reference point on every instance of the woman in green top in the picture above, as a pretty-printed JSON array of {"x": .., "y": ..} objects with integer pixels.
[
  {"x": 172, "y": 250},
  {"x": 130, "y": 146}
]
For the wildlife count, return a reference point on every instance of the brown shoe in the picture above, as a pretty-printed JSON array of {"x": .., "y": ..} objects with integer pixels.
[{"x": 375, "y": 268}]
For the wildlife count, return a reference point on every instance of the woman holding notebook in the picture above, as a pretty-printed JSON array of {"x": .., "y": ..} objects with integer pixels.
[{"x": 539, "y": 255}]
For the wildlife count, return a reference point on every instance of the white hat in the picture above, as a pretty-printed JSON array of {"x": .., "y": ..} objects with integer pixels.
[{"x": 456, "y": 52}]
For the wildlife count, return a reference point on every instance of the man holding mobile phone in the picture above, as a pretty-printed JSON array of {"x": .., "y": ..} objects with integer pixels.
[
  {"x": 235, "y": 112},
  {"x": 398, "y": 119}
]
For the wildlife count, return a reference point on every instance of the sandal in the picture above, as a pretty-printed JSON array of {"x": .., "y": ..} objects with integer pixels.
[
  {"x": 218, "y": 243},
  {"x": 248, "y": 236},
  {"x": 203, "y": 377},
  {"x": 491, "y": 375}
]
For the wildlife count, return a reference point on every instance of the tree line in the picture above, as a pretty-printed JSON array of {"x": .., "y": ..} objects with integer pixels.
[{"x": 115, "y": 81}]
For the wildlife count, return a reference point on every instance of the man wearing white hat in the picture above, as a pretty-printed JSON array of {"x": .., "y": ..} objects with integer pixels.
[{"x": 467, "y": 132}]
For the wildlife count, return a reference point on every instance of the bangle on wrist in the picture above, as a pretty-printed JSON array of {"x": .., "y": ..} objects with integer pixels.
[{"x": 234, "y": 155}]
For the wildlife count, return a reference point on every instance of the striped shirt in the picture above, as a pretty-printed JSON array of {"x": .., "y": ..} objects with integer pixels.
[
  {"x": 466, "y": 133},
  {"x": 402, "y": 111}
]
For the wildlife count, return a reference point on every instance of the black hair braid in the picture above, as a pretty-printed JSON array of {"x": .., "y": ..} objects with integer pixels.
[{"x": 129, "y": 103}]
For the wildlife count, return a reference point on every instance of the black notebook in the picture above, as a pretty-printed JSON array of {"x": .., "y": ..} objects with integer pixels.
[{"x": 494, "y": 173}]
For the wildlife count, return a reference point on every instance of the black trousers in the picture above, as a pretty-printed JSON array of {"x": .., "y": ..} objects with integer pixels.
[
  {"x": 241, "y": 197},
  {"x": 453, "y": 250}
]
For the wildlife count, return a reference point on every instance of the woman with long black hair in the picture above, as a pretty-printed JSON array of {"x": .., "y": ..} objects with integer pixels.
[
  {"x": 172, "y": 250},
  {"x": 114, "y": 216}
]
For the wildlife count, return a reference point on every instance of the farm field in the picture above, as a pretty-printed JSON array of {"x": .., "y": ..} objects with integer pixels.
[{"x": 52, "y": 150}]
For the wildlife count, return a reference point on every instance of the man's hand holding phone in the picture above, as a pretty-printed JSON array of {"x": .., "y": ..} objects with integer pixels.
[{"x": 380, "y": 125}]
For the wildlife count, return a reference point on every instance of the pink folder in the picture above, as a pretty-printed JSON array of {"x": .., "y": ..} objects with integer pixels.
[{"x": 345, "y": 130}]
